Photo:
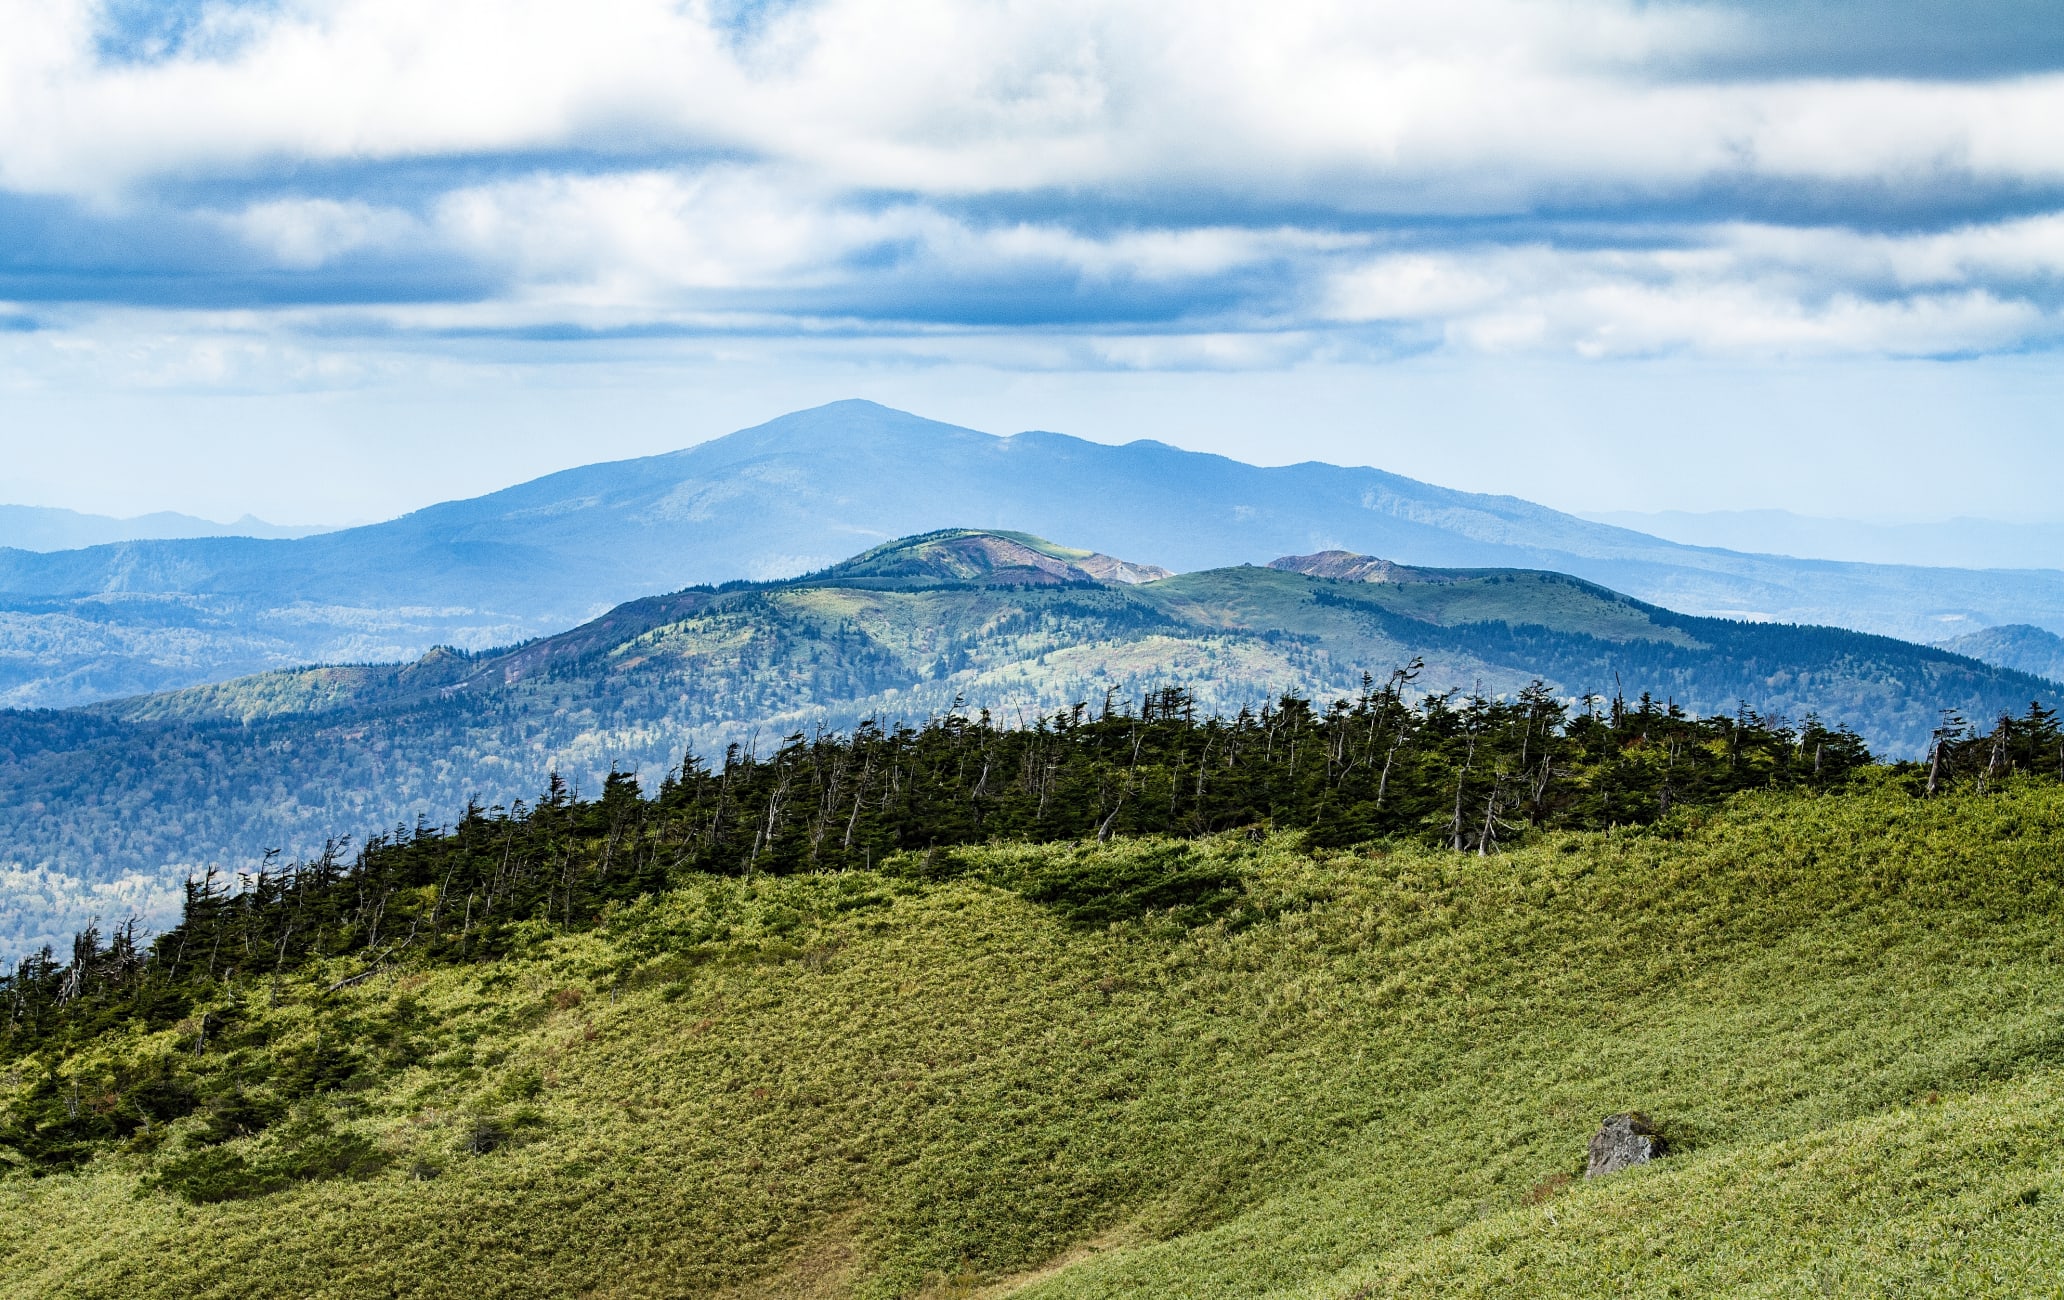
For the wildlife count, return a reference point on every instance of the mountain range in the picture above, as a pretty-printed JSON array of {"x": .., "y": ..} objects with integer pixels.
[
  {"x": 104, "y": 809},
  {"x": 1961, "y": 543},
  {"x": 48, "y": 528},
  {"x": 798, "y": 493}
]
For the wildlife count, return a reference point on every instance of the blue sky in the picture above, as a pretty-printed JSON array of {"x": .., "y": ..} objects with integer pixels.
[{"x": 332, "y": 259}]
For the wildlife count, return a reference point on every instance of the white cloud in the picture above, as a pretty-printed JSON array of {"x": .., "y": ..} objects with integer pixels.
[
  {"x": 1735, "y": 290},
  {"x": 651, "y": 239},
  {"x": 1413, "y": 286},
  {"x": 1474, "y": 102},
  {"x": 2028, "y": 249},
  {"x": 862, "y": 165},
  {"x": 628, "y": 237},
  {"x": 305, "y": 233}
]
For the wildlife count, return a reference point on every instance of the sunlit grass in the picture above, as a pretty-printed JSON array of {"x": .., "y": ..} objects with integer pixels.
[{"x": 1365, "y": 1076}]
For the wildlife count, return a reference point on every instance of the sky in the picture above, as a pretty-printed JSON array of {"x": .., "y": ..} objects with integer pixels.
[{"x": 329, "y": 260}]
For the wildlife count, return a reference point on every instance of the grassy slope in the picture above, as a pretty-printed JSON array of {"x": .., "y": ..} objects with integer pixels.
[{"x": 878, "y": 1086}]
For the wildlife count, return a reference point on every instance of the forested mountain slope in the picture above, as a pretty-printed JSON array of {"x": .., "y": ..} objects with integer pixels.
[
  {"x": 2018, "y": 646},
  {"x": 164, "y": 785},
  {"x": 802, "y": 491}
]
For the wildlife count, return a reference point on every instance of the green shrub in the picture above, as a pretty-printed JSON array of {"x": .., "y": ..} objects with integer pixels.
[
  {"x": 1097, "y": 888},
  {"x": 211, "y": 1174},
  {"x": 307, "y": 1149}
]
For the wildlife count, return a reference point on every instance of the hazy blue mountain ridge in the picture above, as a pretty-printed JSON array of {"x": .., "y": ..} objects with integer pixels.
[
  {"x": 802, "y": 491},
  {"x": 1959, "y": 543},
  {"x": 2017, "y": 646},
  {"x": 50, "y": 528}
]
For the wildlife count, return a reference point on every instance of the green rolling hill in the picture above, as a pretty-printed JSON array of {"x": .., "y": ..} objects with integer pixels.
[
  {"x": 1366, "y": 1073},
  {"x": 2031, "y": 650},
  {"x": 1008, "y": 620}
]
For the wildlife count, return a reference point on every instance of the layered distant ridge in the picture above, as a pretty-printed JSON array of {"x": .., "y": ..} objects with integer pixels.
[{"x": 802, "y": 492}]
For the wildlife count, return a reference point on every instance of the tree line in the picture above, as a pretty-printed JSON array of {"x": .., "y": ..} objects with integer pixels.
[{"x": 1470, "y": 772}]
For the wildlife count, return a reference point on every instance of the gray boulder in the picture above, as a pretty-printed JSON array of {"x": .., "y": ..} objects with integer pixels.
[{"x": 1622, "y": 1141}]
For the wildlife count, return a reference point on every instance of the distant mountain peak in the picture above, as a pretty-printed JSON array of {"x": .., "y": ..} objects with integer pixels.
[
  {"x": 50, "y": 528},
  {"x": 842, "y": 424},
  {"x": 991, "y": 557},
  {"x": 2019, "y": 646},
  {"x": 1346, "y": 566}
]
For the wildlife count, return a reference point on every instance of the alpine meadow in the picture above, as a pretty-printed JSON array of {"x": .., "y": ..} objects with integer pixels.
[
  {"x": 868, "y": 650},
  {"x": 734, "y": 1039}
]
